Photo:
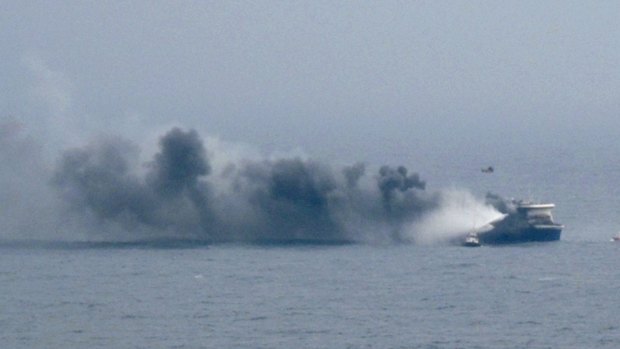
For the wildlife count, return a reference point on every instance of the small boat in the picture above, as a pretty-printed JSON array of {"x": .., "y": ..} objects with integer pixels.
[
  {"x": 616, "y": 238},
  {"x": 471, "y": 240}
]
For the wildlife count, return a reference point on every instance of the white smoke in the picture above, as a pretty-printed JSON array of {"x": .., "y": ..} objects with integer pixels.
[{"x": 459, "y": 213}]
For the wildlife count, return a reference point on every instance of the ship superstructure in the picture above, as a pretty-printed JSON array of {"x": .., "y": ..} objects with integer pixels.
[{"x": 523, "y": 222}]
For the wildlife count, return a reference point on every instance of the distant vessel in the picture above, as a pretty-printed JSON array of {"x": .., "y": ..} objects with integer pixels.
[
  {"x": 616, "y": 238},
  {"x": 524, "y": 222},
  {"x": 471, "y": 240}
]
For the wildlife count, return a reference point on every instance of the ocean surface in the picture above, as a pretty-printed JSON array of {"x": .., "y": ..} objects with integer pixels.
[
  {"x": 549, "y": 295},
  {"x": 192, "y": 295}
]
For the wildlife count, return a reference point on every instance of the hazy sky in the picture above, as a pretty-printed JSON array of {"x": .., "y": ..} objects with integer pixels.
[{"x": 350, "y": 80}]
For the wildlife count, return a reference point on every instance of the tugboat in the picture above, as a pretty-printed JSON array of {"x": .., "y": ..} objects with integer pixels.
[
  {"x": 471, "y": 240},
  {"x": 522, "y": 222}
]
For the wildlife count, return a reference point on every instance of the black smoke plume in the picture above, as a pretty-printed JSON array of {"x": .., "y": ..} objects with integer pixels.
[
  {"x": 501, "y": 204},
  {"x": 180, "y": 195},
  {"x": 179, "y": 165}
]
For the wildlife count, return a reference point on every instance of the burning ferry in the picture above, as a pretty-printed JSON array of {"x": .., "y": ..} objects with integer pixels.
[{"x": 522, "y": 222}]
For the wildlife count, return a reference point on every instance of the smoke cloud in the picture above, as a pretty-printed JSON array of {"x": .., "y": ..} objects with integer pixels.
[
  {"x": 179, "y": 194},
  {"x": 106, "y": 191},
  {"x": 458, "y": 212},
  {"x": 25, "y": 196}
]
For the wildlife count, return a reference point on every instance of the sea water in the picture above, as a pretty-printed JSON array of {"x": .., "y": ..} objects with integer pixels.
[{"x": 550, "y": 295}]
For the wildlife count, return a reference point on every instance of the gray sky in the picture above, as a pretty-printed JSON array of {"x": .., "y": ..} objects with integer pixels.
[
  {"x": 355, "y": 80},
  {"x": 442, "y": 87}
]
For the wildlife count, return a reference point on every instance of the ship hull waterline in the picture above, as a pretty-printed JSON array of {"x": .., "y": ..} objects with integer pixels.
[{"x": 522, "y": 235}]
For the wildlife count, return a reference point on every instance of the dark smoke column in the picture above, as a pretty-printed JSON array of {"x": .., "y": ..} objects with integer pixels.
[{"x": 180, "y": 163}]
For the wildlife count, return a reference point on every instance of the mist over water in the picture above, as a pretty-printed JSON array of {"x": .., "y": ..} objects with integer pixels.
[{"x": 104, "y": 190}]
